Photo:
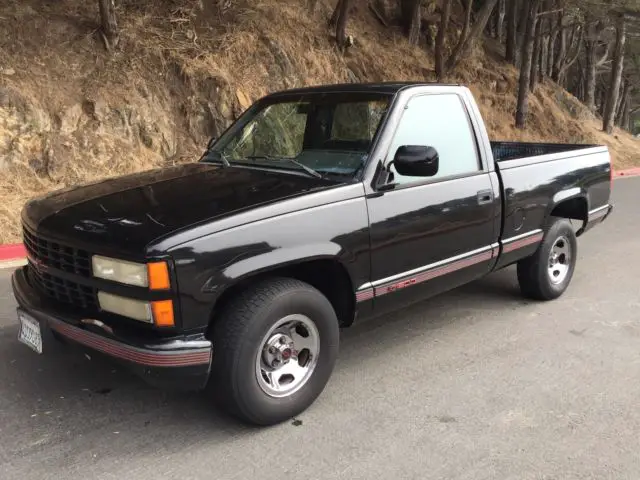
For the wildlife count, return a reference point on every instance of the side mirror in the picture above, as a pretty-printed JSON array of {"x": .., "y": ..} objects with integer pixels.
[{"x": 416, "y": 161}]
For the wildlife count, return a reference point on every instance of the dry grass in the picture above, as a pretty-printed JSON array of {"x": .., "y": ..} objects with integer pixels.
[{"x": 176, "y": 55}]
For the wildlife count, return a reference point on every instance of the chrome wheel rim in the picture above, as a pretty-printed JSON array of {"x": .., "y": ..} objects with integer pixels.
[
  {"x": 559, "y": 260},
  {"x": 287, "y": 356}
]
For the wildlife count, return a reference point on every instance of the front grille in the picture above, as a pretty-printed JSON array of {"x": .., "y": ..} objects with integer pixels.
[
  {"x": 64, "y": 291},
  {"x": 58, "y": 256},
  {"x": 66, "y": 259}
]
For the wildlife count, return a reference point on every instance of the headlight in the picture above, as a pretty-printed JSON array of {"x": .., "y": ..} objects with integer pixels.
[
  {"x": 120, "y": 271},
  {"x": 153, "y": 275},
  {"x": 128, "y": 307}
]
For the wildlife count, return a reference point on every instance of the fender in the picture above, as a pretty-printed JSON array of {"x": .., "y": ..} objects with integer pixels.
[
  {"x": 255, "y": 264},
  {"x": 207, "y": 266}
]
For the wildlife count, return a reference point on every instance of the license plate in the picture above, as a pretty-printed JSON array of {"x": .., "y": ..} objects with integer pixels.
[{"x": 30, "y": 332}]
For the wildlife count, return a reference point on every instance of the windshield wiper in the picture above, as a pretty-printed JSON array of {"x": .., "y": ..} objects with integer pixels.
[
  {"x": 309, "y": 170},
  {"x": 223, "y": 158}
]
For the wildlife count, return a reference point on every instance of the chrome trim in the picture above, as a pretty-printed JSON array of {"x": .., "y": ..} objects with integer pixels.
[
  {"x": 604, "y": 207},
  {"x": 598, "y": 212},
  {"x": 431, "y": 266},
  {"x": 520, "y": 237}
]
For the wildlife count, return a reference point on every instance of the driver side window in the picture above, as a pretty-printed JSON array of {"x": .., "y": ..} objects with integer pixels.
[{"x": 438, "y": 121}]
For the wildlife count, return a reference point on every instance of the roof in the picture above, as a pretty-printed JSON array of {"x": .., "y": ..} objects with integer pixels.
[{"x": 390, "y": 88}]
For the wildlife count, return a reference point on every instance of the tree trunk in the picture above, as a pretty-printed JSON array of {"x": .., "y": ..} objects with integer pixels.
[
  {"x": 572, "y": 53},
  {"x": 602, "y": 102},
  {"x": 466, "y": 41},
  {"x": 553, "y": 37},
  {"x": 535, "y": 64},
  {"x": 579, "y": 81},
  {"x": 497, "y": 22},
  {"x": 522, "y": 27},
  {"x": 512, "y": 25},
  {"x": 341, "y": 25},
  {"x": 590, "y": 74},
  {"x": 501, "y": 13},
  {"x": 440, "y": 39},
  {"x": 527, "y": 60},
  {"x": 620, "y": 116},
  {"x": 544, "y": 47},
  {"x": 109, "y": 24},
  {"x": 411, "y": 17},
  {"x": 626, "y": 114},
  {"x": 467, "y": 23},
  {"x": 624, "y": 91},
  {"x": 561, "y": 48},
  {"x": 616, "y": 76},
  {"x": 621, "y": 102},
  {"x": 333, "y": 21}
]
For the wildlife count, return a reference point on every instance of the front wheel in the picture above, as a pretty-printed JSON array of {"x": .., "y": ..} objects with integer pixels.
[
  {"x": 274, "y": 348},
  {"x": 547, "y": 273}
]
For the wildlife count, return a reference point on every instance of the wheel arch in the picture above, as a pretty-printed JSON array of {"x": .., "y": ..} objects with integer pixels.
[
  {"x": 572, "y": 204},
  {"x": 326, "y": 273}
]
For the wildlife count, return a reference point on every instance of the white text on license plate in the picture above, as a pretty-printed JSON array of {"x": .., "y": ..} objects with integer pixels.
[{"x": 30, "y": 332}]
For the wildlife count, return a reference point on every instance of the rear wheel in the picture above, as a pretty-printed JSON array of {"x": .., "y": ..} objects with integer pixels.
[
  {"x": 547, "y": 273},
  {"x": 275, "y": 346}
]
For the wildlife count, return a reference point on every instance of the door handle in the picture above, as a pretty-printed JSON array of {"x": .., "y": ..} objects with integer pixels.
[{"x": 485, "y": 196}]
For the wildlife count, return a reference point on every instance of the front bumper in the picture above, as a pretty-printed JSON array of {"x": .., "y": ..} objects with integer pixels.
[{"x": 183, "y": 362}]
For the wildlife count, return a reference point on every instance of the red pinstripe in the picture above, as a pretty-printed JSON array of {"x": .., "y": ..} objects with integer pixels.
[
  {"x": 128, "y": 353},
  {"x": 525, "y": 242}
]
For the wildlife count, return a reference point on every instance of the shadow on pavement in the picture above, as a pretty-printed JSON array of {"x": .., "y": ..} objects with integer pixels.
[{"x": 58, "y": 397}]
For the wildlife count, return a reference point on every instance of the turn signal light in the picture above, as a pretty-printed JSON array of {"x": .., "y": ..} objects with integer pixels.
[
  {"x": 163, "y": 313},
  {"x": 158, "y": 276}
]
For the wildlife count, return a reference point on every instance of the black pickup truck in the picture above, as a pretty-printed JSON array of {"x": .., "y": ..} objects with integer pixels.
[{"x": 317, "y": 207}]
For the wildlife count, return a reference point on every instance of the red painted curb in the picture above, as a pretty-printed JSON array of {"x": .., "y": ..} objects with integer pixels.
[
  {"x": 12, "y": 252},
  {"x": 630, "y": 172}
]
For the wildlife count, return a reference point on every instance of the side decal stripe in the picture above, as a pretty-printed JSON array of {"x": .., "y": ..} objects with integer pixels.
[
  {"x": 363, "y": 295},
  {"x": 511, "y": 246},
  {"x": 369, "y": 292},
  {"x": 433, "y": 273}
]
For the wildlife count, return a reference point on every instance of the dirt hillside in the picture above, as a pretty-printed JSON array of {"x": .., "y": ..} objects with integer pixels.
[{"x": 71, "y": 112}]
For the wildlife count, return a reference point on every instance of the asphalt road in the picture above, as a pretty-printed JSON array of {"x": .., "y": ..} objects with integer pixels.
[{"x": 475, "y": 384}]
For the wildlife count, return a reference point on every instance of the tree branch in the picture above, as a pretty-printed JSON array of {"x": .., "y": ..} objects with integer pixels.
[
  {"x": 604, "y": 58},
  {"x": 478, "y": 27}
]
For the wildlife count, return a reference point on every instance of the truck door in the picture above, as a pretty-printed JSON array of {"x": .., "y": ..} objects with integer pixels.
[{"x": 430, "y": 234}]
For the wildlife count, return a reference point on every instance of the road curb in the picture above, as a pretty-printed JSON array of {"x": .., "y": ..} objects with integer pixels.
[
  {"x": 629, "y": 172},
  {"x": 13, "y": 255}
]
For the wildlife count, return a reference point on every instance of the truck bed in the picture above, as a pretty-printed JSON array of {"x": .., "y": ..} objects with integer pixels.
[{"x": 504, "y": 151}]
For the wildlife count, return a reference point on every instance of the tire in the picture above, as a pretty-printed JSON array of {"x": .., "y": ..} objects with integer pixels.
[
  {"x": 537, "y": 279},
  {"x": 246, "y": 325}
]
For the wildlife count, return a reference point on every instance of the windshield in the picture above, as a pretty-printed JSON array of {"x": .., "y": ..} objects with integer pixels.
[{"x": 330, "y": 134}]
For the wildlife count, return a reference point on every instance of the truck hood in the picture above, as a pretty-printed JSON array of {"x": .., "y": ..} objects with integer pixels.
[{"x": 127, "y": 213}]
